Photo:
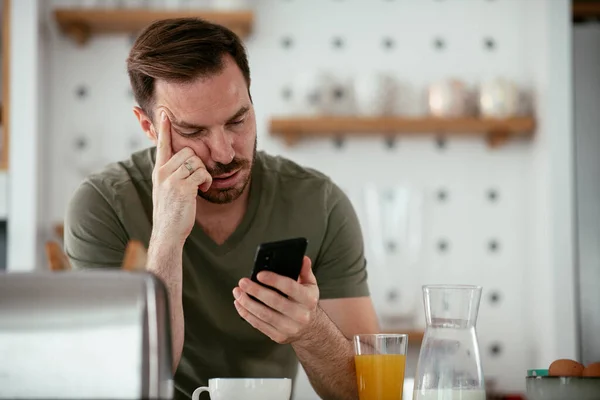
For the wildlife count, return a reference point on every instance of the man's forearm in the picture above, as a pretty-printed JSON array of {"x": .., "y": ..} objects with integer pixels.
[
  {"x": 328, "y": 359},
  {"x": 164, "y": 260}
]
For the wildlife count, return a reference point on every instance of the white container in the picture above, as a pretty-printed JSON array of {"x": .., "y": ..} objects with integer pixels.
[
  {"x": 246, "y": 389},
  {"x": 498, "y": 98},
  {"x": 560, "y": 388},
  {"x": 449, "y": 98},
  {"x": 375, "y": 94},
  {"x": 318, "y": 92},
  {"x": 306, "y": 94}
]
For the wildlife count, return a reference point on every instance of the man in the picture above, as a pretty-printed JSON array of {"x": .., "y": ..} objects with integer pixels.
[{"x": 202, "y": 200}]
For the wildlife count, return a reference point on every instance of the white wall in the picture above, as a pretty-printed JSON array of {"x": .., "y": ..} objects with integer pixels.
[
  {"x": 586, "y": 51},
  {"x": 24, "y": 196},
  {"x": 552, "y": 266}
]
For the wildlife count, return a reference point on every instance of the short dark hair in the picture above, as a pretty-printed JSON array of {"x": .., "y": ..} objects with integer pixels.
[{"x": 180, "y": 50}]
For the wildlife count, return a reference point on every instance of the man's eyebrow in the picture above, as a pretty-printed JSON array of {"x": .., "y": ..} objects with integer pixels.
[
  {"x": 183, "y": 124},
  {"x": 189, "y": 125},
  {"x": 240, "y": 112}
]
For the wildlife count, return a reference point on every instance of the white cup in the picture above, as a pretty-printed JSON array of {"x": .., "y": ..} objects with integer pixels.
[
  {"x": 375, "y": 94},
  {"x": 246, "y": 389},
  {"x": 498, "y": 98},
  {"x": 449, "y": 98},
  {"x": 312, "y": 93}
]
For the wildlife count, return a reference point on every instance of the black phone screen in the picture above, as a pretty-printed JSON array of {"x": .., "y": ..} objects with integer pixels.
[{"x": 283, "y": 257}]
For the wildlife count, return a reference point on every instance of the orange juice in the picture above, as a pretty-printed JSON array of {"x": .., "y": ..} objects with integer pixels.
[{"x": 380, "y": 376}]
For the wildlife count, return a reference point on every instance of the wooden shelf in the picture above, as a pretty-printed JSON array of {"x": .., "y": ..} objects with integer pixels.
[
  {"x": 586, "y": 9},
  {"x": 495, "y": 131},
  {"x": 59, "y": 230},
  {"x": 81, "y": 24},
  {"x": 413, "y": 336}
]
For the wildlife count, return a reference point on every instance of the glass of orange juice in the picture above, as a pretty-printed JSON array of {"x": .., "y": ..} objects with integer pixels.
[{"x": 380, "y": 360}]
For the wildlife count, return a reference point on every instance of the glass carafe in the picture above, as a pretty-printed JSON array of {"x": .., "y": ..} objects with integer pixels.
[{"x": 449, "y": 366}]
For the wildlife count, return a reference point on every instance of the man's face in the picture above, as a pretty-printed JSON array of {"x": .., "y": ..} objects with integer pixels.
[{"x": 215, "y": 118}]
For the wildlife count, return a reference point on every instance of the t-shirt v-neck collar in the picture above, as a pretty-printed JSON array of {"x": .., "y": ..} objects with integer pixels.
[{"x": 199, "y": 236}]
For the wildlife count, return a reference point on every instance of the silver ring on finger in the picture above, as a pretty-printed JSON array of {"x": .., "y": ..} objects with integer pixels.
[{"x": 189, "y": 167}]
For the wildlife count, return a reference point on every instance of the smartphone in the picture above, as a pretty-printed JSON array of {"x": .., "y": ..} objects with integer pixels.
[{"x": 283, "y": 257}]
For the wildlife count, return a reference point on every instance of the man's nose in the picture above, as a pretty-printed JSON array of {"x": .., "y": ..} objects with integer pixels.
[{"x": 221, "y": 147}]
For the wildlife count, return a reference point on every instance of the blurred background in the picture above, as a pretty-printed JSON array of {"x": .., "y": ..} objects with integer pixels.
[{"x": 465, "y": 132}]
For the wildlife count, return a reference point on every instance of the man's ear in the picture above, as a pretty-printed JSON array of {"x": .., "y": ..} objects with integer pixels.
[{"x": 145, "y": 123}]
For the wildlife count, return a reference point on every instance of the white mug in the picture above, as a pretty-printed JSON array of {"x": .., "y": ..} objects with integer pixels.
[
  {"x": 449, "y": 98},
  {"x": 311, "y": 93},
  {"x": 246, "y": 389},
  {"x": 375, "y": 94},
  {"x": 498, "y": 98}
]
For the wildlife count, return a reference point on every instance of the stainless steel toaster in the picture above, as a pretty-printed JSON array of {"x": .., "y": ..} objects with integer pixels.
[{"x": 98, "y": 334}]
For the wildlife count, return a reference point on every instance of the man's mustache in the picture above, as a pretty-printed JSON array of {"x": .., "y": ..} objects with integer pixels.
[{"x": 223, "y": 169}]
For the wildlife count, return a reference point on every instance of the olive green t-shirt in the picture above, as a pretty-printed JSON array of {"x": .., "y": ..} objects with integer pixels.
[{"x": 286, "y": 200}]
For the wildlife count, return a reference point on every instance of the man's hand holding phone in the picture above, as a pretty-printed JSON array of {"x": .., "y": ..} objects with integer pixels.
[
  {"x": 284, "y": 320},
  {"x": 176, "y": 179}
]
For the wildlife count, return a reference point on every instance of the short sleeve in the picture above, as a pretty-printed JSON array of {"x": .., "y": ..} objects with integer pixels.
[
  {"x": 340, "y": 266},
  {"x": 94, "y": 236}
]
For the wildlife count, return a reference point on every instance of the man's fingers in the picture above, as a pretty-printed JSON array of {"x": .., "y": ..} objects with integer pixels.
[
  {"x": 306, "y": 295},
  {"x": 306, "y": 273},
  {"x": 182, "y": 165},
  {"x": 163, "y": 151},
  {"x": 192, "y": 170},
  {"x": 201, "y": 178},
  {"x": 275, "y": 301},
  {"x": 177, "y": 161}
]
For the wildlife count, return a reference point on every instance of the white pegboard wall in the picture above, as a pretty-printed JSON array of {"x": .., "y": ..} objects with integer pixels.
[
  {"x": 468, "y": 238},
  {"x": 474, "y": 200}
]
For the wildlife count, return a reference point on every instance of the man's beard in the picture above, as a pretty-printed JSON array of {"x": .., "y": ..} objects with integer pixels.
[{"x": 227, "y": 195}]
